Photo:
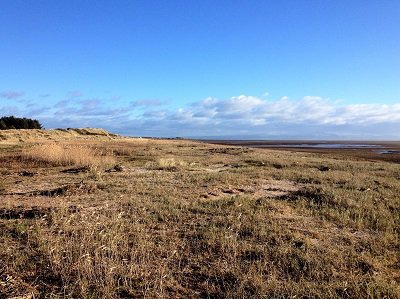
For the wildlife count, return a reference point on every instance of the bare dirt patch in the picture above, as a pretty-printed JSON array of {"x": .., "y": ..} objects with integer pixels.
[
  {"x": 65, "y": 190},
  {"x": 276, "y": 188},
  {"x": 24, "y": 213}
]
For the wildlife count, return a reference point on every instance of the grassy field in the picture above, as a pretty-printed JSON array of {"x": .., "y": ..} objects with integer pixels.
[{"x": 133, "y": 218}]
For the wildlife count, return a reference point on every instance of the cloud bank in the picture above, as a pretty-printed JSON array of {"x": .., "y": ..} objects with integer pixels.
[{"x": 242, "y": 116}]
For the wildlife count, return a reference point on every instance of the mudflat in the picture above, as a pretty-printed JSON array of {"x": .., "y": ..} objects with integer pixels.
[{"x": 367, "y": 150}]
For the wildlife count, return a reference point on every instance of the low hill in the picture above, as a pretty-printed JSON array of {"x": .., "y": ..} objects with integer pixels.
[{"x": 34, "y": 135}]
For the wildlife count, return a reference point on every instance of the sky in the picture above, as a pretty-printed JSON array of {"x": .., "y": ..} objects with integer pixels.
[{"x": 287, "y": 69}]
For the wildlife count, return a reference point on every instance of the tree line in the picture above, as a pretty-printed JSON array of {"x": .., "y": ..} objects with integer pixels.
[{"x": 12, "y": 122}]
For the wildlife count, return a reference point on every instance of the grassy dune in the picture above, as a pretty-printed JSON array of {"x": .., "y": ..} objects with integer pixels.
[
  {"x": 35, "y": 135},
  {"x": 133, "y": 218}
]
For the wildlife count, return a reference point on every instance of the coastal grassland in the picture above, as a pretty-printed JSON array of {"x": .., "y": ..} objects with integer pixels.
[{"x": 182, "y": 219}]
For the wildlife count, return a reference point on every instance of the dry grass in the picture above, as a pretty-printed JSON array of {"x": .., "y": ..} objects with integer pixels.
[
  {"x": 232, "y": 223},
  {"x": 67, "y": 155},
  {"x": 29, "y": 135},
  {"x": 170, "y": 163}
]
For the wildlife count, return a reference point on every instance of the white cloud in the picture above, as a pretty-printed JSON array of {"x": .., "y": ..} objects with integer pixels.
[
  {"x": 307, "y": 117},
  {"x": 307, "y": 110}
]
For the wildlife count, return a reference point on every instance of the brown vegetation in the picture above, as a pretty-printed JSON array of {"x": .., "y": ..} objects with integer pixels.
[
  {"x": 57, "y": 154},
  {"x": 180, "y": 219}
]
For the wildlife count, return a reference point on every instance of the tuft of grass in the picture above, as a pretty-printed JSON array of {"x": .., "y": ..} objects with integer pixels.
[{"x": 170, "y": 163}]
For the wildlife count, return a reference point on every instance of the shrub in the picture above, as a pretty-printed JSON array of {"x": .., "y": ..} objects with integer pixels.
[{"x": 11, "y": 122}]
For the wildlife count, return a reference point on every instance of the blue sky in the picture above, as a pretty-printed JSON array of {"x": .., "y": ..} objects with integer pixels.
[{"x": 262, "y": 69}]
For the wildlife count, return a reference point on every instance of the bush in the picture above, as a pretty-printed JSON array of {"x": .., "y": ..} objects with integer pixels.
[{"x": 11, "y": 122}]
